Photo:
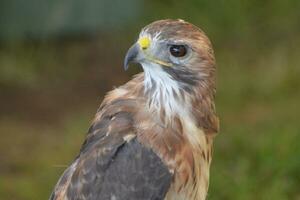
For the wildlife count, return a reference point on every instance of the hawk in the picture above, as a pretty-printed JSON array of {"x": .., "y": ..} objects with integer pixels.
[{"x": 152, "y": 137}]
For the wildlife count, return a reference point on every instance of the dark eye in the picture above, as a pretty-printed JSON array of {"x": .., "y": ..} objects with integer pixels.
[{"x": 178, "y": 50}]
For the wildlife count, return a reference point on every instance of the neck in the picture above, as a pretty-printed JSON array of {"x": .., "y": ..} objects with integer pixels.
[
  {"x": 165, "y": 94},
  {"x": 169, "y": 98},
  {"x": 183, "y": 95}
]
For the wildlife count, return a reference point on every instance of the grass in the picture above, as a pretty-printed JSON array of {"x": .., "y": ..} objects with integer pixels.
[{"x": 256, "y": 152}]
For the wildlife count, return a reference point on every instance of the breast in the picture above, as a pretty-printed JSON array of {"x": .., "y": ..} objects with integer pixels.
[
  {"x": 185, "y": 149},
  {"x": 191, "y": 178}
]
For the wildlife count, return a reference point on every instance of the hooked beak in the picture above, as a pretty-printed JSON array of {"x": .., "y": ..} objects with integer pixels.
[
  {"x": 131, "y": 55},
  {"x": 137, "y": 54}
]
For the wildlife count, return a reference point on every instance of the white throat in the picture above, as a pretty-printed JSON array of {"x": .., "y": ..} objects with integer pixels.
[{"x": 164, "y": 91}]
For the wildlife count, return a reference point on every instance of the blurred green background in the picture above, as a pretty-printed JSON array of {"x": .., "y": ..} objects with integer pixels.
[{"x": 59, "y": 58}]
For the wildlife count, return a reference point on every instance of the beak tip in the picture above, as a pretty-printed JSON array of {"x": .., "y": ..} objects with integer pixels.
[
  {"x": 131, "y": 55},
  {"x": 126, "y": 67}
]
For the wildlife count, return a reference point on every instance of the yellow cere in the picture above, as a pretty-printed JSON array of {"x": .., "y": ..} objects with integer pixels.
[{"x": 144, "y": 42}]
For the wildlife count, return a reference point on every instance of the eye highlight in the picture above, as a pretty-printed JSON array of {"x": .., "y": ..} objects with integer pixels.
[{"x": 178, "y": 50}]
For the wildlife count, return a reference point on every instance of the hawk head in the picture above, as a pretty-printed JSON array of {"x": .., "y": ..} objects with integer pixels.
[
  {"x": 175, "y": 47},
  {"x": 178, "y": 63}
]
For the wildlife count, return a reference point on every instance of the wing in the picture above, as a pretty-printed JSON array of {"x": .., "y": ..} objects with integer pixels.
[{"x": 113, "y": 165}]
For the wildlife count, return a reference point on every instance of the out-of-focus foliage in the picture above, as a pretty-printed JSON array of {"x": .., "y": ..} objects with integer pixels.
[
  {"x": 42, "y": 18},
  {"x": 52, "y": 80}
]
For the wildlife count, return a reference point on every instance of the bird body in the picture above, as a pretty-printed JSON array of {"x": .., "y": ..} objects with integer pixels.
[{"x": 151, "y": 138}]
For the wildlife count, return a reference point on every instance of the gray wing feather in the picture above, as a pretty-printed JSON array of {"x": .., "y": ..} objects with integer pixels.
[{"x": 110, "y": 168}]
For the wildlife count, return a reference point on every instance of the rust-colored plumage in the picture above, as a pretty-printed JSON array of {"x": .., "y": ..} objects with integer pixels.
[{"x": 152, "y": 137}]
